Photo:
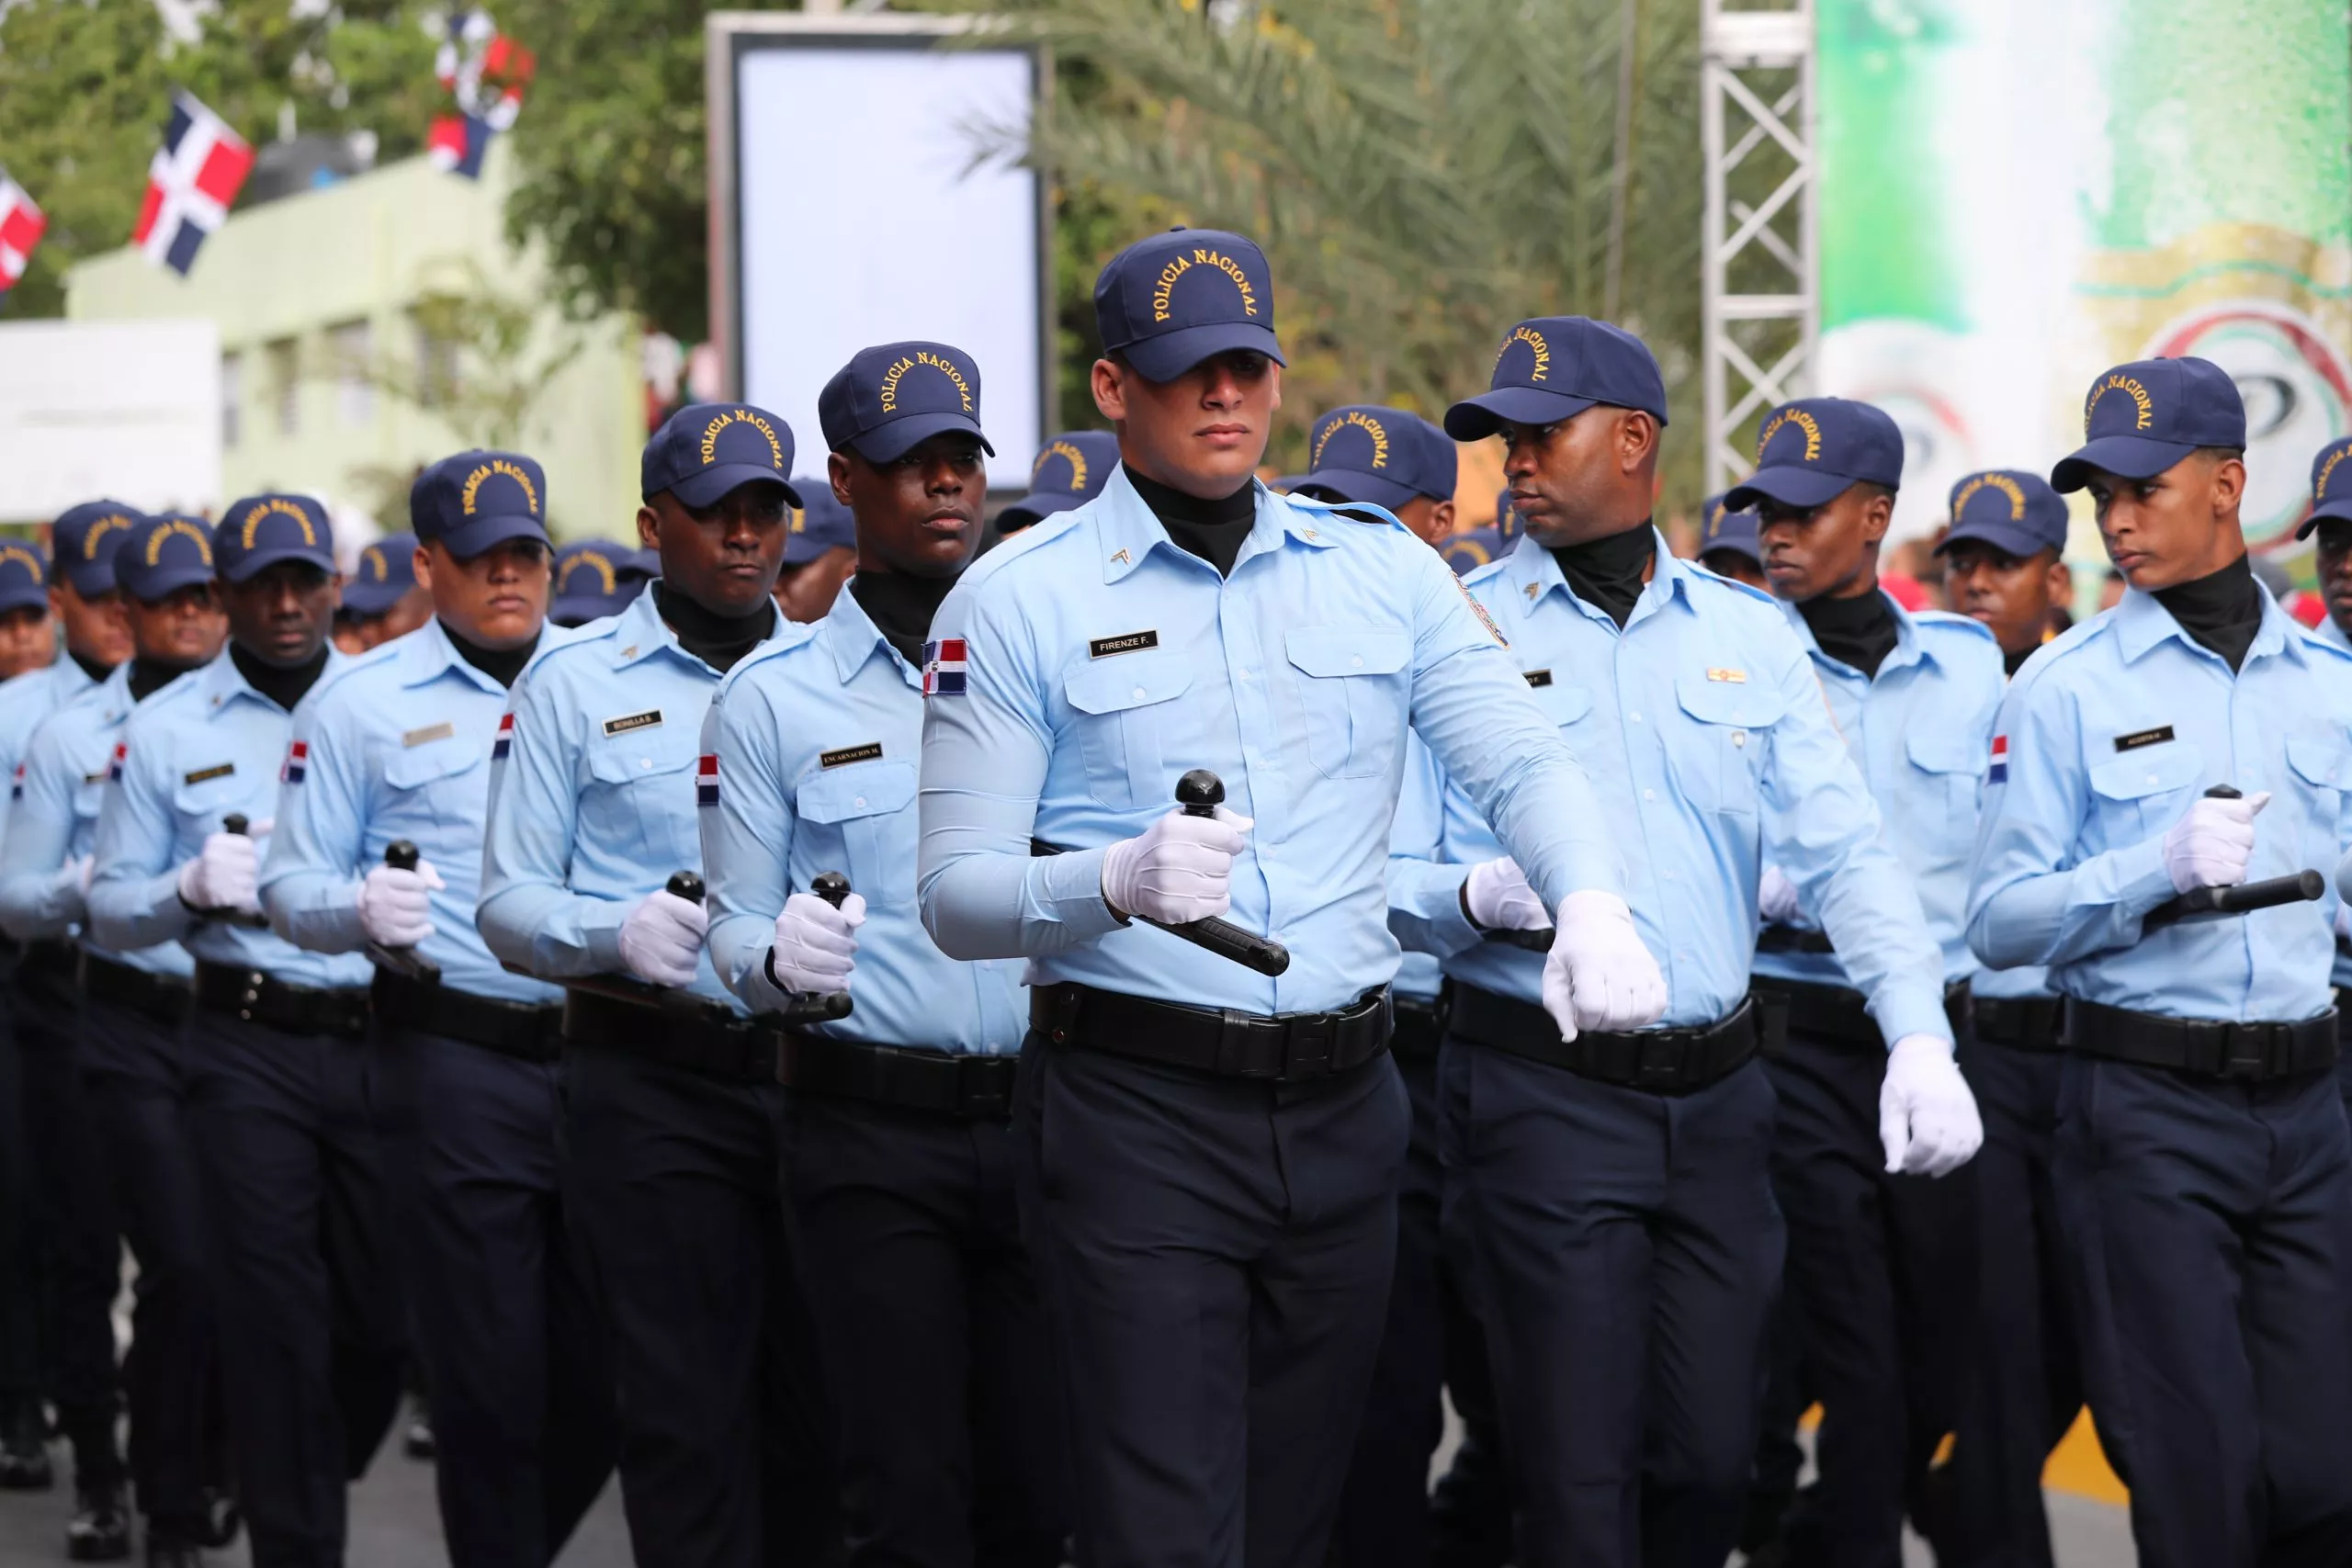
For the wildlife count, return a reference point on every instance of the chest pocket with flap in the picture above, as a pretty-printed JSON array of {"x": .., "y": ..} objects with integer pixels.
[
  {"x": 1123, "y": 731},
  {"x": 1351, "y": 687},
  {"x": 642, "y": 788},
  {"x": 856, "y": 820},
  {"x": 2144, "y": 792},
  {"x": 1718, "y": 754},
  {"x": 419, "y": 781},
  {"x": 1952, "y": 767}
]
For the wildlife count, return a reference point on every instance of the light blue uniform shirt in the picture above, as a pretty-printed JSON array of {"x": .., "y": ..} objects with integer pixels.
[
  {"x": 1921, "y": 731},
  {"x": 203, "y": 746},
  {"x": 2328, "y": 632},
  {"x": 817, "y": 742},
  {"x": 2111, "y": 733},
  {"x": 55, "y": 820},
  {"x": 592, "y": 806},
  {"x": 1100, "y": 662},
  {"x": 1414, "y": 840},
  {"x": 1705, "y": 713},
  {"x": 25, "y": 701},
  {"x": 395, "y": 745}
]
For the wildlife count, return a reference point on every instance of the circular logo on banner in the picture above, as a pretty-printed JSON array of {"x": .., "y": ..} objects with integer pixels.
[{"x": 2297, "y": 393}]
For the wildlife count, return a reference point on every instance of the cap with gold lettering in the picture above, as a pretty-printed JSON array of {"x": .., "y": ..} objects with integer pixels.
[
  {"x": 2331, "y": 487},
  {"x": 86, "y": 538},
  {"x": 594, "y": 578},
  {"x": 1384, "y": 456},
  {"x": 471, "y": 502},
  {"x": 894, "y": 395},
  {"x": 1726, "y": 529},
  {"x": 1071, "y": 470},
  {"x": 1554, "y": 367},
  {"x": 706, "y": 450},
  {"x": 1813, "y": 450},
  {"x": 24, "y": 575},
  {"x": 1170, "y": 300},
  {"x": 166, "y": 552},
  {"x": 2141, "y": 418},
  {"x": 822, "y": 524},
  {"x": 257, "y": 532},
  {"x": 2016, "y": 513},
  {"x": 385, "y": 573}
]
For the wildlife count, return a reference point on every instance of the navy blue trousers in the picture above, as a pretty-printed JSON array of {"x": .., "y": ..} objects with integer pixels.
[
  {"x": 20, "y": 1258},
  {"x": 1624, "y": 1249},
  {"x": 1216, "y": 1255},
  {"x": 512, "y": 1344},
  {"x": 2021, "y": 1383},
  {"x": 2209, "y": 1237},
  {"x": 138, "y": 1074},
  {"x": 670, "y": 1180},
  {"x": 939, "y": 1369}
]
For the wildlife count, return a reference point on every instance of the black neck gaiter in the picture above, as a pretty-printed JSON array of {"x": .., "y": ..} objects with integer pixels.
[
  {"x": 283, "y": 688},
  {"x": 1213, "y": 529},
  {"x": 1860, "y": 632},
  {"x": 717, "y": 640},
  {"x": 901, "y": 606},
  {"x": 1607, "y": 573},
  {"x": 501, "y": 664},
  {"x": 2221, "y": 611},
  {"x": 149, "y": 676},
  {"x": 90, "y": 667}
]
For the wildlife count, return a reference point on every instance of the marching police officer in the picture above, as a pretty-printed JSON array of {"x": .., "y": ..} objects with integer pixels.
[
  {"x": 311, "y": 1327},
  {"x": 2203, "y": 1170},
  {"x": 28, "y": 635},
  {"x": 820, "y": 555},
  {"x": 381, "y": 600},
  {"x": 1615, "y": 1190},
  {"x": 1071, "y": 470},
  {"x": 395, "y": 746},
  {"x": 1728, "y": 544},
  {"x": 900, "y": 1169},
  {"x": 2331, "y": 518},
  {"x": 1212, "y": 1153},
  {"x": 134, "y": 1168},
  {"x": 672, "y": 1128},
  {"x": 1874, "y": 1256},
  {"x": 592, "y": 579},
  {"x": 1395, "y": 461}
]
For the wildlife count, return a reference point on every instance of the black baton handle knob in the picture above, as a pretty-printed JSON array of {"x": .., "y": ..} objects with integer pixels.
[
  {"x": 235, "y": 822},
  {"x": 1200, "y": 792},
  {"x": 401, "y": 855},
  {"x": 687, "y": 885},
  {"x": 2225, "y": 792},
  {"x": 829, "y": 886}
]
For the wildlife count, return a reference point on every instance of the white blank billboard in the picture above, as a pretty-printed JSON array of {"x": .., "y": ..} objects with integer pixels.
[
  {"x": 128, "y": 410},
  {"x": 865, "y": 214}
]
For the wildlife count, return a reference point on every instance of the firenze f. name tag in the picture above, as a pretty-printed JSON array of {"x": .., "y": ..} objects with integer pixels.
[
  {"x": 842, "y": 756},
  {"x": 2139, "y": 738},
  {"x": 1125, "y": 642},
  {"x": 628, "y": 721}
]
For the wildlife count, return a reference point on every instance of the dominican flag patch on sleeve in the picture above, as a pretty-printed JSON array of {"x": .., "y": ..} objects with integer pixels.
[
  {"x": 114, "y": 763},
  {"x": 2000, "y": 774},
  {"x": 298, "y": 762},
  {"x": 16, "y": 785},
  {"x": 506, "y": 742},
  {"x": 942, "y": 668},
  {"x": 706, "y": 780}
]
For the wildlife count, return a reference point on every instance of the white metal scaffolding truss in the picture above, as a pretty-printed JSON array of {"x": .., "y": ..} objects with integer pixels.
[{"x": 1761, "y": 221}]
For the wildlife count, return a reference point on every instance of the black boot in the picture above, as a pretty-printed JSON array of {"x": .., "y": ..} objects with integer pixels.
[
  {"x": 100, "y": 1528},
  {"x": 416, "y": 1440},
  {"x": 171, "y": 1548},
  {"x": 23, "y": 1449},
  {"x": 221, "y": 1520}
]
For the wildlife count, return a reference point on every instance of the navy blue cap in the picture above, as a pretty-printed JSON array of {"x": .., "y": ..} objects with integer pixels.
[
  {"x": 2009, "y": 509},
  {"x": 594, "y": 578},
  {"x": 164, "y": 553},
  {"x": 1170, "y": 300},
  {"x": 384, "y": 574},
  {"x": 86, "y": 538},
  {"x": 823, "y": 524},
  {"x": 1554, "y": 367},
  {"x": 704, "y": 450},
  {"x": 894, "y": 395},
  {"x": 24, "y": 574},
  {"x": 474, "y": 500},
  {"x": 2331, "y": 487},
  {"x": 1728, "y": 530},
  {"x": 258, "y": 531},
  {"x": 1814, "y": 449},
  {"x": 1509, "y": 526},
  {"x": 1071, "y": 470},
  {"x": 2143, "y": 417},
  {"x": 1467, "y": 551},
  {"x": 1384, "y": 456}
]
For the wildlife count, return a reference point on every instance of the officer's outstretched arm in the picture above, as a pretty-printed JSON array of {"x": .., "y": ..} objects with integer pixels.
[
  {"x": 309, "y": 880},
  {"x": 135, "y": 890},
  {"x": 529, "y": 914},
  {"x": 746, "y": 832},
  {"x": 986, "y": 742},
  {"x": 1432, "y": 845},
  {"x": 41, "y": 891}
]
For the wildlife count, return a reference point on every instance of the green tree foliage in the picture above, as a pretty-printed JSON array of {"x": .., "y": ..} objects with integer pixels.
[{"x": 85, "y": 88}]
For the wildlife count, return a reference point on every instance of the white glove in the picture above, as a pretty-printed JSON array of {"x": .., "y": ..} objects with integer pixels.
[
  {"x": 1180, "y": 869},
  {"x": 395, "y": 905},
  {"x": 2211, "y": 842},
  {"x": 1927, "y": 1118},
  {"x": 225, "y": 874},
  {"x": 661, "y": 939},
  {"x": 1497, "y": 898},
  {"x": 815, "y": 945},
  {"x": 2343, "y": 912},
  {"x": 76, "y": 873},
  {"x": 1776, "y": 899},
  {"x": 1597, "y": 975}
]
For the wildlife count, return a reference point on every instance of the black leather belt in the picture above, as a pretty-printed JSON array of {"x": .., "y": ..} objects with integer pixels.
[
  {"x": 2027, "y": 1024},
  {"x": 531, "y": 1031},
  {"x": 162, "y": 997},
  {"x": 1420, "y": 1026},
  {"x": 2211, "y": 1048},
  {"x": 255, "y": 998},
  {"x": 1290, "y": 1047},
  {"x": 1838, "y": 1015},
  {"x": 1658, "y": 1061},
  {"x": 1792, "y": 939},
  {"x": 714, "y": 1041},
  {"x": 909, "y": 1078}
]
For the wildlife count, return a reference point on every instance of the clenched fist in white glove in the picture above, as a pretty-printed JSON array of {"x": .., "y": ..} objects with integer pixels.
[
  {"x": 815, "y": 945},
  {"x": 1496, "y": 897},
  {"x": 395, "y": 906},
  {"x": 1179, "y": 869},
  {"x": 1597, "y": 975},
  {"x": 1927, "y": 1118},
  {"x": 661, "y": 939},
  {"x": 1776, "y": 899},
  {"x": 2210, "y": 845},
  {"x": 224, "y": 874}
]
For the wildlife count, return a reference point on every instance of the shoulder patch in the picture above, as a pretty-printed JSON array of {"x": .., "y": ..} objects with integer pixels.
[{"x": 1479, "y": 610}]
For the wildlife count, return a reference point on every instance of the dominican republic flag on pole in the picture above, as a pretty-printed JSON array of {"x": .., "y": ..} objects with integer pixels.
[
  {"x": 485, "y": 72},
  {"x": 20, "y": 225},
  {"x": 193, "y": 178}
]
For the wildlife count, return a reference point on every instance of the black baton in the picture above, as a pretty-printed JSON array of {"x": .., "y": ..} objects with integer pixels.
[
  {"x": 2240, "y": 898},
  {"x": 401, "y": 855},
  {"x": 817, "y": 1006},
  {"x": 235, "y": 824}
]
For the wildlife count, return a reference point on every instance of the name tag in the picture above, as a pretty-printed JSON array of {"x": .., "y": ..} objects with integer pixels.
[
  {"x": 1127, "y": 642},
  {"x": 206, "y": 775},
  {"x": 842, "y": 756},
  {"x": 98, "y": 777},
  {"x": 2139, "y": 738},
  {"x": 626, "y": 722},
  {"x": 430, "y": 732},
  {"x": 1736, "y": 677},
  {"x": 1539, "y": 677}
]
